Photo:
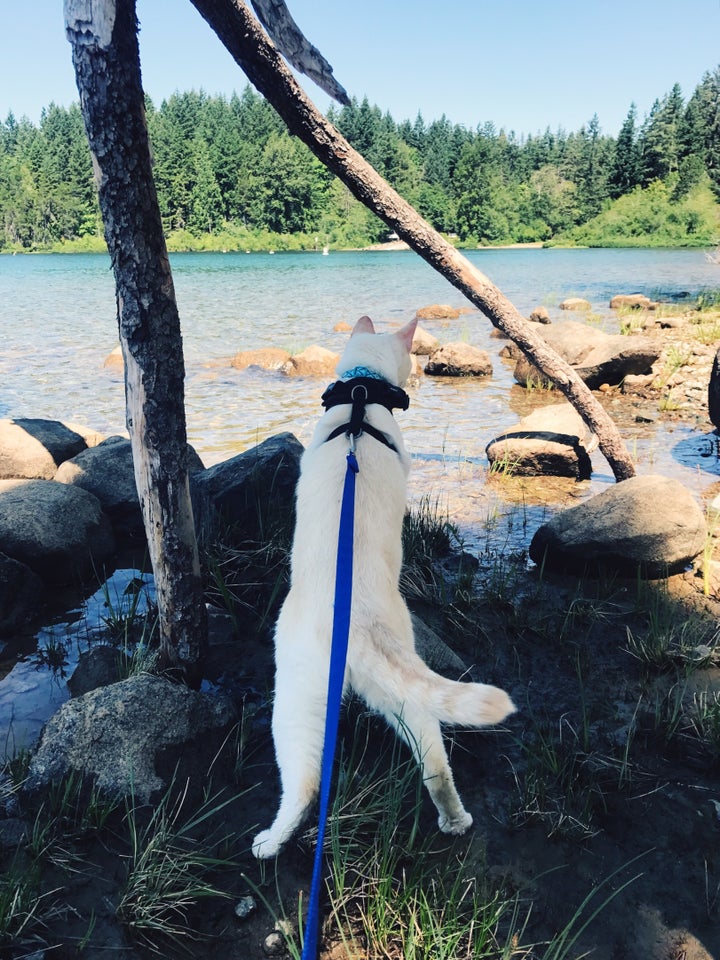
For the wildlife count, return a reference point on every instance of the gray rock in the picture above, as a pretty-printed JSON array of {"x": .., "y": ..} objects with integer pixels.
[
  {"x": 435, "y": 652},
  {"x": 596, "y": 356},
  {"x": 60, "y": 532},
  {"x": 95, "y": 668},
  {"x": 107, "y": 472},
  {"x": 552, "y": 440},
  {"x": 21, "y": 594},
  {"x": 133, "y": 737},
  {"x": 459, "y": 360},
  {"x": 651, "y": 525},
  {"x": 33, "y": 449},
  {"x": 232, "y": 493}
]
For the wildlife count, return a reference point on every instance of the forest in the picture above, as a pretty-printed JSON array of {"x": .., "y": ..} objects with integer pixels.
[{"x": 230, "y": 177}]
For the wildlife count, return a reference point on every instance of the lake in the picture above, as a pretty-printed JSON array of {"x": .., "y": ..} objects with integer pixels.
[{"x": 58, "y": 322}]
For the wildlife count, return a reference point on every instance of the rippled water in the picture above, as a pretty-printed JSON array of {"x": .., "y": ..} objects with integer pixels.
[{"x": 58, "y": 323}]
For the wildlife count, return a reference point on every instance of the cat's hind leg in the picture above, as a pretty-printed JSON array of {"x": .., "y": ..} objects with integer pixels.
[
  {"x": 422, "y": 732},
  {"x": 298, "y": 727}
]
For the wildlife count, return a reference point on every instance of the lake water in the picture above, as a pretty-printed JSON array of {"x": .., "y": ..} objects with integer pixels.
[{"x": 58, "y": 325}]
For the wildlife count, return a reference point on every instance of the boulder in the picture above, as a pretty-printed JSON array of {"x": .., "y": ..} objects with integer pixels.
[
  {"x": 552, "y": 440},
  {"x": 435, "y": 652},
  {"x": 596, "y": 356},
  {"x": 268, "y": 358},
  {"x": 424, "y": 343},
  {"x": 34, "y": 449},
  {"x": 539, "y": 315},
  {"x": 107, "y": 472},
  {"x": 312, "y": 362},
  {"x": 59, "y": 531},
  {"x": 249, "y": 490},
  {"x": 437, "y": 311},
  {"x": 21, "y": 595},
  {"x": 633, "y": 301},
  {"x": 133, "y": 737},
  {"x": 459, "y": 360},
  {"x": 651, "y": 525},
  {"x": 575, "y": 303}
]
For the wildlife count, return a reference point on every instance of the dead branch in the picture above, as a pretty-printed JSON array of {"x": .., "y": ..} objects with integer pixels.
[{"x": 255, "y": 54}]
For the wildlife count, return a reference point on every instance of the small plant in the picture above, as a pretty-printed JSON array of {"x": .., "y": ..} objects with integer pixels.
[
  {"x": 169, "y": 868},
  {"x": 560, "y": 787},
  {"x": 127, "y": 612},
  {"x": 705, "y": 719},
  {"x": 24, "y": 911},
  {"x": 503, "y": 467}
]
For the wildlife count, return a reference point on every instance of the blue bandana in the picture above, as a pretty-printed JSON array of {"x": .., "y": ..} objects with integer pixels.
[{"x": 362, "y": 372}]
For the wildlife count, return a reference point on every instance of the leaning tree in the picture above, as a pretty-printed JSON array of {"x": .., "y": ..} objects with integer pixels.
[{"x": 103, "y": 35}]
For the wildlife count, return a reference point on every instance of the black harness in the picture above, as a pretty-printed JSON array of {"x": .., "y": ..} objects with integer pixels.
[{"x": 359, "y": 392}]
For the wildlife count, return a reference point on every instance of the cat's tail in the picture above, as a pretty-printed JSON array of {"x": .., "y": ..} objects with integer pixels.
[
  {"x": 449, "y": 701},
  {"x": 466, "y": 704}
]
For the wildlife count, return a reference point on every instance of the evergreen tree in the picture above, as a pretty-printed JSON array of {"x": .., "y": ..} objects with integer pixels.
[
  {"x": 625, "y": 171},
  {"x": 660, "y": 143}
]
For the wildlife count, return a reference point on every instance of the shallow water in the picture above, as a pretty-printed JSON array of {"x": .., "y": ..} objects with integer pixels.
[{"x": 57, "y": 316}]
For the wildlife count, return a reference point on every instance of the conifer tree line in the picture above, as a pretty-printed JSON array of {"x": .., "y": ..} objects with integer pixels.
[{"x": 228, "y": 169}]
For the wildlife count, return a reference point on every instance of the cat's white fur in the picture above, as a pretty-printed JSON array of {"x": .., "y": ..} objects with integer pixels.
[{"x": 382, "y": 665}]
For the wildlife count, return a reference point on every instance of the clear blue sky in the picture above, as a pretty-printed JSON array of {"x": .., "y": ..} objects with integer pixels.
[{"x": 522, "y": 64}]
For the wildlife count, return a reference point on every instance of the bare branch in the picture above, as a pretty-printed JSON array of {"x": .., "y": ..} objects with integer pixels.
[
  {"x": 291, "y": 42},
  {"x": 252, "y": 50}
]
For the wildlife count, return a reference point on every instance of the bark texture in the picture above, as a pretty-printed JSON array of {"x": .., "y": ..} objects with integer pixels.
[
  {"x": 103, "y": 35},
  {"x": 252, "y": 50}
]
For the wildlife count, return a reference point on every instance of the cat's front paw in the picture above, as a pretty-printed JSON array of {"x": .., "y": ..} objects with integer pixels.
[
  {"x": 456, "y": 825},
  {"x": 265, "y": 845}
]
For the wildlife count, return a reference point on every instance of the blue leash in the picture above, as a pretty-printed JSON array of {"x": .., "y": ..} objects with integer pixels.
[{"x": 338, "y": 656}]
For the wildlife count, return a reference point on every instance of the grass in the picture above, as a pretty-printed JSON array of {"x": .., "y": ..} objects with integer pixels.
[{"x": 169, "y": 869}]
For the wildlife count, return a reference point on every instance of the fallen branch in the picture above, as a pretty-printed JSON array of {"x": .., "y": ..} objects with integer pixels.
[{"x": 250, "y": 47}]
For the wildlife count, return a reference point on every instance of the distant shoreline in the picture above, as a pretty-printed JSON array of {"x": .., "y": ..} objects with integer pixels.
[{"x": 401, "y": 245}]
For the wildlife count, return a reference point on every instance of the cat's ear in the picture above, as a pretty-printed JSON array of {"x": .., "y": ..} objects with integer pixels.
[
  {"x": 364, "y": 325},
  {"x": 405, "y": 334}
]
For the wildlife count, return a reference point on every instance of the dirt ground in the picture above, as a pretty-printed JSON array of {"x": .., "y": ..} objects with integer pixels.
[{"x": 590, "y": 786}]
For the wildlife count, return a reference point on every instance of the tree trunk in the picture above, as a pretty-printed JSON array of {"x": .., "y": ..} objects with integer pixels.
[
  {"x": 103, "y": 34},
  {"x": 251, "y": 49},
  {"x": 714, "y": 392}
]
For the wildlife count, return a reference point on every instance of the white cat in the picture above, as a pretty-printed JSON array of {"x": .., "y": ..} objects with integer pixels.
[{"x": 382, "y": 665}]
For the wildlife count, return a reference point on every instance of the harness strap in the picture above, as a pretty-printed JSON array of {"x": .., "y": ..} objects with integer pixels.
[
  {"x": 359, "y": 392},
  {"x": 346, "y": 428}
]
